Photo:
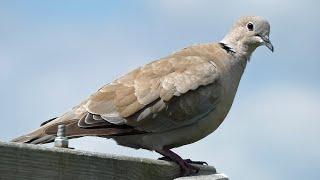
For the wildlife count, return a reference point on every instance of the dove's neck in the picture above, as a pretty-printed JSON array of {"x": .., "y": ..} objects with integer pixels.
[{"x": 237, "y": 44}]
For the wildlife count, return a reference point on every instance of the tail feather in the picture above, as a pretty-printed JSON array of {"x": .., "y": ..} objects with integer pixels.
[
  {"x": 48, "y": 129},
  {"x": 43, "y": 139},
  {"x": 47, "y": 132},
  {"x": 35, "y": 137},
  {"x": 46, "y": 122},
  {"x": 23, "y": 139}
]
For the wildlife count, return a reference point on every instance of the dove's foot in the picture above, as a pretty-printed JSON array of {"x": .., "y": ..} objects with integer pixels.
[
  {"x": 186, "y": 168},
  {"x": 196, "y": 162},
  {"x": 164, "y": 158}
]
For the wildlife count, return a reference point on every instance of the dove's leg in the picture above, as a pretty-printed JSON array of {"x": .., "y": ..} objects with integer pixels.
[{"x": 186, "y": 168}]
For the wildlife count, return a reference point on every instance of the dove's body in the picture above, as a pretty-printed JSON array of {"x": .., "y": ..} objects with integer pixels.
[
  {"x": 167, "y": 103},
  {"x": 216, "y": 97}
]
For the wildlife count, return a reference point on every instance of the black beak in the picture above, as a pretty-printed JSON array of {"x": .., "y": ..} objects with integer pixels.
[{"x": 267, "y": 42}]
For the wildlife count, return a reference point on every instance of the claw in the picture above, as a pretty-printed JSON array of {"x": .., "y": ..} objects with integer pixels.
[
  {"x": 196, "y": 162},
  {"x": 186, "y": 168}
]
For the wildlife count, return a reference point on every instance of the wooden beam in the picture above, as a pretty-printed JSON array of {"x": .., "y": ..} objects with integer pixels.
[{"x": 36, "y": 162}]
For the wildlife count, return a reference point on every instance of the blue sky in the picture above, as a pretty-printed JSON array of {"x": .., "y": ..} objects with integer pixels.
[{"x": 53, "y": 54}]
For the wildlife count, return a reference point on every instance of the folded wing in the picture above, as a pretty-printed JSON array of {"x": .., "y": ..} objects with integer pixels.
[{"x": 160, "y": 96}]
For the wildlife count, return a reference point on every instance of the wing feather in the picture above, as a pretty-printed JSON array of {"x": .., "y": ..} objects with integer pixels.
[{"x": 160, "y": 95}]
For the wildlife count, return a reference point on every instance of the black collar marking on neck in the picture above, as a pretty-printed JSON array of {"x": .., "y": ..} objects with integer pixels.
[{"x": 227, "y": 48}]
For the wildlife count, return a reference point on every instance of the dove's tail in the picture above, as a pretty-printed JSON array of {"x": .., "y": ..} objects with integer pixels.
[
  {"x": 34, "y": 138},
  {"x": 39, "y": 136},
  {"x": 48, "y": 130}
]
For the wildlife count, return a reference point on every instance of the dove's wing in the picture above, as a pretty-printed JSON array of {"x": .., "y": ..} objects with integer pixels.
[{"x": 160, "y": 96}]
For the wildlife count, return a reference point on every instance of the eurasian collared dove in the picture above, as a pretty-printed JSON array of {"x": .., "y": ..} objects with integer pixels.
[{"x": 170, "y": 102}]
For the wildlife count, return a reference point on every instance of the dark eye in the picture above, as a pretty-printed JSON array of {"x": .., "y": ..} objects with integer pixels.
[{"x": 250, "y": 26}]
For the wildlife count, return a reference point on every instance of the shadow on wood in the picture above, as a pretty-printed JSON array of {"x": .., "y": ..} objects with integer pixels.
[{"x": 25, "y": 161}]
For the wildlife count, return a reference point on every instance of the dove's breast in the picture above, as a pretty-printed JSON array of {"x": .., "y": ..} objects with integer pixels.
[{"x": 227, "y": 86}]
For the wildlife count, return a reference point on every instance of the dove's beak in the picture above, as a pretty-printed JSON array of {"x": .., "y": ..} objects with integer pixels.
[{"x": 267, "y": 42}]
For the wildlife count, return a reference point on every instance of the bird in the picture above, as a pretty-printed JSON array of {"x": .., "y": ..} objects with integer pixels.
[{"x": 170, "y": 102}]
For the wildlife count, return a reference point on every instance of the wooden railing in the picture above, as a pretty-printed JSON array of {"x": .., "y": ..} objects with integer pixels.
[{"x": 36, "y": 162}]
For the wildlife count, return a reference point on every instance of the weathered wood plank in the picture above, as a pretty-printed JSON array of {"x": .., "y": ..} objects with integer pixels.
[{"x": 25, "y": 161}]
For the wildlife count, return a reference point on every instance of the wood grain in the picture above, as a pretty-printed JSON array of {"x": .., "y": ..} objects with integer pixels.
[{"x": 36, "y": 162}]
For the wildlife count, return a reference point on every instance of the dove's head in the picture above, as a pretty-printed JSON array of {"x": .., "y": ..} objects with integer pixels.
[{"x": 247, "y": 34}]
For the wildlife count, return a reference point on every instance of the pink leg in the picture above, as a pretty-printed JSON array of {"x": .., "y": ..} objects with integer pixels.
[{"x": 186, "y": 168}]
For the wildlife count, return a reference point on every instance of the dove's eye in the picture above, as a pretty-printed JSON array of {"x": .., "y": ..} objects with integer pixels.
[{"x": 250, "y": 26}]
